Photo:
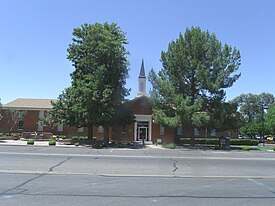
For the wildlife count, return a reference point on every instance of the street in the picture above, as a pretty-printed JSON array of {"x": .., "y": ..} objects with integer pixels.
[{"x": 84, "y": 176}]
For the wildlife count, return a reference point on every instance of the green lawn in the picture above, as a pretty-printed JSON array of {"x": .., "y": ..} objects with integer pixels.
[{"x": 260, "y": 148}]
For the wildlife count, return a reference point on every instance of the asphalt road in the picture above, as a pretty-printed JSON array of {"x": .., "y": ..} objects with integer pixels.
[{"x": 84, "y": 176}]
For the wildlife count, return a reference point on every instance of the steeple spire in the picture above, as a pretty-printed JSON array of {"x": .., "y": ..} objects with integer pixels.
[
  {"x": 142, "y": 71},
  {"x": 142, "y": 81}
]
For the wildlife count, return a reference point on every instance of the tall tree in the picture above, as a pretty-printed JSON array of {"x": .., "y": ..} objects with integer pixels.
[
  {"x": 224, "y": 116},
  {"x": 253, "y": 108},
  {"x": 99, "y": 56},
  {"x": 270, "y": 119},
  {"x": 197, "y": 68},
  {"x": 251, "y": 105}
]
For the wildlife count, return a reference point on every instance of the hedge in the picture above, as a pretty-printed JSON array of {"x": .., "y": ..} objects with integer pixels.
[
  {"x": 216, "y": 141},
  {"x": 248, "y": 142},
  {"x": 209, "y": 141}
]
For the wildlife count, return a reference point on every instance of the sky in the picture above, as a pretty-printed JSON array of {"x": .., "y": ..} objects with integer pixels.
[{"x": 35, "y": 34}]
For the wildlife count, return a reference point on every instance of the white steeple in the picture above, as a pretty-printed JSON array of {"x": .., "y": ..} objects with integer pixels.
[{"x": 142, "y": 81}]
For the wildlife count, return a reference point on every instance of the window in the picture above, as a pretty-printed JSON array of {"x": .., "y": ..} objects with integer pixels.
[
  {"x": 213, "y": 133},
  {"x": 21, "y": 124},
  {"x": 196, "y": 132},
  {"x": 80, "y": 129},
  {"x": 60, "y": 127},
  {"x": 179, "y": 130},
  {"x": 41, "y": 116},
  {"x": 100, "y": 129},
  {"x": 45, "y": 113},
  {"x": 161, "y": 130}
]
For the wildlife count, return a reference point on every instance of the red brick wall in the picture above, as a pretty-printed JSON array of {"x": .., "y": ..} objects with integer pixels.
[
  {"x": 3, "y": 123},
  {"x": 31, "y": 120},
  {"x": 167, "y": 137},
  {"x": 140, "y": 105}
]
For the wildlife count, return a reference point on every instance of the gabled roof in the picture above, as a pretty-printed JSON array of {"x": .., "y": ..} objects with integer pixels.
[
  {"x": 139, "y": 105},
  {"x": 138, "y": 98},
  {"x": 32, "y": 104}
]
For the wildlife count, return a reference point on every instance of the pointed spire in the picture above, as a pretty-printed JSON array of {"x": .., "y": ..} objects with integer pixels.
[
  {"x": 142, "y": 81},
  {"x": 142, "y": 70}
]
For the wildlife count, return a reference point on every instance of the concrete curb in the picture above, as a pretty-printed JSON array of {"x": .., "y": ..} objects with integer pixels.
[{"x": 36, "y": 143}]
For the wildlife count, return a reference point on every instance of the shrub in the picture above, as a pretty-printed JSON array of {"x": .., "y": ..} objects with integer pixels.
[
  {"x": 1, "y": 134},
  {"x": 217, "y": 147},
  {"x": 75, "y": 137},
  {"x": 62, "y": 136},
  {"x": 97, "y": 146},
  {"x": 171, "y": 146},
  {"x": 121, "y": 145},
  {"x": 81, "y": 137},
  {"x": 198, "y": 141},
  {"x": 216, "y": 141},
  {"x": 248, "y": 142},
  {"x": 30, "y": 142},
  {"x": 52, "y": 142},
  {"x": 273, "y": 148},
  {"x": 15, "y": 136},
  {"x": 246, "y": 148}
]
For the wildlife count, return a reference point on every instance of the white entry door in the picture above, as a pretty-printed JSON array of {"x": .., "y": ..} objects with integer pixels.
[
  {"x": 143, "y": 124},
  {"x": 143, "y": 133}
]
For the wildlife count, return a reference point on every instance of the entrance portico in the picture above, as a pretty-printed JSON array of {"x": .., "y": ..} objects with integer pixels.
[{"x": 143, "y": 128}]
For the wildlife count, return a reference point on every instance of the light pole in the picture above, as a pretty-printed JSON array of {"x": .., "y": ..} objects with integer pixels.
[{"x": 263, "y": 120}]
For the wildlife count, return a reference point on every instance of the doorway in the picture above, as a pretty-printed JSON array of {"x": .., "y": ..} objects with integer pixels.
[{"x": 142, "y": 131}]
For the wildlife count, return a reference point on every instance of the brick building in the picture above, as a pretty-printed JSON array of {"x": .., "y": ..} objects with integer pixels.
[{"x": 144, "y": 126}]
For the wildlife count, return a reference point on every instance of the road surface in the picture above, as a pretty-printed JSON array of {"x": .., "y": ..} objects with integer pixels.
[{"x": 84, "y": 176}]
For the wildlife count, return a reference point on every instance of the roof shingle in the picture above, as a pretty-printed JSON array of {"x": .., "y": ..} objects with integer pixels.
[{"x": 26, "y": 103}]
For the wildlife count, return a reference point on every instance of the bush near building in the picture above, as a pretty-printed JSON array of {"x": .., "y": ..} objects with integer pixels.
[{"x": 215, "y": 141}]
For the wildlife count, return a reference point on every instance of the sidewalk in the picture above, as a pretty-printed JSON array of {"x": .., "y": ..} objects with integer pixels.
[
  {"x": 36, "y": 143},
  {"x": 46, "y": 143}
]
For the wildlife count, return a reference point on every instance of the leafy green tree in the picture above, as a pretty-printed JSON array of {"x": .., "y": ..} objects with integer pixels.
[
  {"x": 99, "y": 56},
  {"x": 270, "y": 119},
  {"x": 225, "y": 116},
  {"x": 250, "y": 129},
  {"x": 197, "y": 68},
  {"x": 201, "y": 120},
  {"x": 248, "y": 106},
  {"x": 253, "y": 108},
  {"x": 122, "y": 115},
  {"x": 251, "y": 105}
]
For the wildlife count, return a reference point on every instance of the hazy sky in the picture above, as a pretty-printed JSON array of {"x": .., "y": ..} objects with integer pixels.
[{"x": 35, "y": 35}]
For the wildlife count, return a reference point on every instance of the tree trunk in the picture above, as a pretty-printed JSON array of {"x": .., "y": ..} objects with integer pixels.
[
  {"x": 205, "y": 135},
  {"x": 192, "y": 143},
  {"x": 205, "y": 132},
  {"x": 90, "y": 132},
  {"x": 106, "y": 136}
]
